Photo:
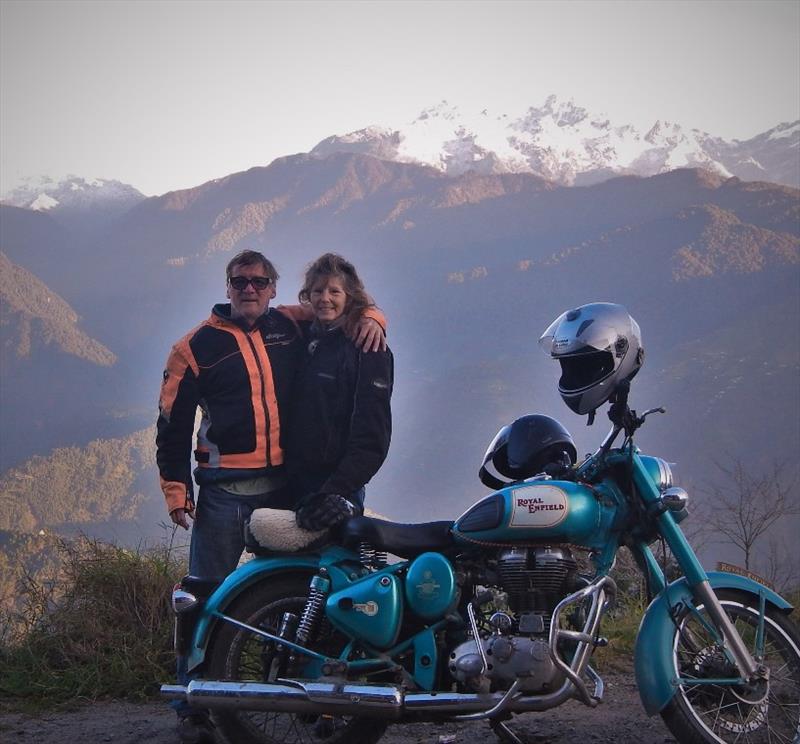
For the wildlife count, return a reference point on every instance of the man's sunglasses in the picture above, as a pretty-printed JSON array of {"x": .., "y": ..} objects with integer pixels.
[{"x": 240, "y": 282}]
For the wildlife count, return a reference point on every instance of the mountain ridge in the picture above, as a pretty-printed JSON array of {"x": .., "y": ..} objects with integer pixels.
[
  {"x": 42, "y": 317},
  {"x": 564, "y": 143},
  {"x": 469, "y": 270}
]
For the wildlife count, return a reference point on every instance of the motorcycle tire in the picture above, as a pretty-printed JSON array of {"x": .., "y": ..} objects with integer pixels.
[
  {"x": 235, "y": 654},
  {"x": 700, "y": 714}
]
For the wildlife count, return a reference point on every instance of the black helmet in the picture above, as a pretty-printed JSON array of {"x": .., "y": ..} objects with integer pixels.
[
  {"x": 523, "y": 449},
  {"x": 598, "y": 345}
]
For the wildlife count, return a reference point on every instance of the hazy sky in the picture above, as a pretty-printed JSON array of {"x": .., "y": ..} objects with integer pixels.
[{"x": 168, "y": 94}]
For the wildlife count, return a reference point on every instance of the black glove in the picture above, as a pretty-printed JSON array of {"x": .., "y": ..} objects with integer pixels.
[{"x": 324, "y": 510}]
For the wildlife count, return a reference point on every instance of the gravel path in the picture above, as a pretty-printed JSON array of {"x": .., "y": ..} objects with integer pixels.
[{"x": 619, "y": 719}]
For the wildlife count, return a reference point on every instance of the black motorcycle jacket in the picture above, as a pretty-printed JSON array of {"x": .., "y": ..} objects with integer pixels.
[{"x": 342, "y": 422}]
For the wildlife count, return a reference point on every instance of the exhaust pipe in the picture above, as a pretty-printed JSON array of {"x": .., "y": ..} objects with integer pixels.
[
  {"x": 289, "y": 696},
  {"x": 375, "y": 701},
  {"x": 292, "y": 696}
]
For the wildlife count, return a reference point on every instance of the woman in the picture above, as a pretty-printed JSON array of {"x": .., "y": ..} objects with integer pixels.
[{"x": 341, "y": 422}]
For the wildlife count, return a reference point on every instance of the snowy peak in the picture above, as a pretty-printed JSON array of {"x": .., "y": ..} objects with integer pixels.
[
  {"x": 784, "y": 130},
  {"x": 82, "y": 205},
  {"x": 73, "y": 193},
  {"x": 564, "y": 142},
  {"x": 43, "y": 202},
  {"x": 561, "y": 113},
  {"x": 663, "y": 132}
]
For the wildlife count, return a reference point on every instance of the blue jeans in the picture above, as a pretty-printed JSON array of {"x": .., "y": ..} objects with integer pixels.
[{"x": 217, "y": 534}]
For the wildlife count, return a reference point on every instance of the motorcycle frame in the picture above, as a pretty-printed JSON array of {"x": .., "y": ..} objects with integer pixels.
[
  {"x": 423, "y": 643},
  {"x": 654, "y": 665}
]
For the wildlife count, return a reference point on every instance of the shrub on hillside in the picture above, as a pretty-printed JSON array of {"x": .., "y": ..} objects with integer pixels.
[{"x": 103, "y": 630}]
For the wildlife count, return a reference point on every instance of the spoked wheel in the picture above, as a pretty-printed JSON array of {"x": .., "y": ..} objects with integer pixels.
[
  {"x": 240, "y": 654},
  {"x": 768, "y": 712}
]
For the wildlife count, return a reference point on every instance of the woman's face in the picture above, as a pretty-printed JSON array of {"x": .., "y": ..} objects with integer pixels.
[{"x": 328, "y": 299}]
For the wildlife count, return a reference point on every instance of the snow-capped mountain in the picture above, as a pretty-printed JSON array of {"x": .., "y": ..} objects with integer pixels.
[
  {"x": 73, "y": 194},
  {"x": 85, "y": 204},
  {"x": 567, "y": 144}
]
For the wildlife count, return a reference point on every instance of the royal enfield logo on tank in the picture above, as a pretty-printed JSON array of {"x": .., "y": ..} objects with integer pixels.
[{"x": 539, "y": 506}]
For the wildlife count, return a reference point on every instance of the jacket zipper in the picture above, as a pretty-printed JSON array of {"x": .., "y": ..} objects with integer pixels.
[{"x": 263, "y": 398}]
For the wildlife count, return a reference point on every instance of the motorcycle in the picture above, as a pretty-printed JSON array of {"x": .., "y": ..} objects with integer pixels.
[{"x": 494, "y": 614}]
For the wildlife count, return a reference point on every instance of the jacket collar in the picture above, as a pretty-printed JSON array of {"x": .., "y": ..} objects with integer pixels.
[
  {"x": 319, "y": 330},
  {"x": 222, "y": 311}
]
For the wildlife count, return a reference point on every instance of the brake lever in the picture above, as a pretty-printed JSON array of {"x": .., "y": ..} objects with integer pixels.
[
  {"x": 641, "y": 418},
  {"x": 631, "y": 421}
]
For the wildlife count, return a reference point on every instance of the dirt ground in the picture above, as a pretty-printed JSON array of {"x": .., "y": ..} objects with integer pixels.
[{"x": 618, "y": 719}]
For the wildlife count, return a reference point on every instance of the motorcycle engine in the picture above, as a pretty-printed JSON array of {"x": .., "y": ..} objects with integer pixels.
[
  {"x": 531, "y": 583},
  {"x": 509, "y": 658},
  {"x": 536, "y": 579}
]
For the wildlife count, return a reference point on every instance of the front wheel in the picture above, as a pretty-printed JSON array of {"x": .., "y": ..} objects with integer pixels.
[
  {"x": 239, "y": 654},
  {"x": 769, "y": 713}
]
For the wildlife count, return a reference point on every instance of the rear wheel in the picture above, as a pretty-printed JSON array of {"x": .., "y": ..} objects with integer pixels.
[
  {"x": 769, "y": 712},
  {"x": 239, "y": 654}
]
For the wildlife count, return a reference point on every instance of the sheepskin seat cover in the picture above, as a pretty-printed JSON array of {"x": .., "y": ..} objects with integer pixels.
[{"x": 277, "y": 530}]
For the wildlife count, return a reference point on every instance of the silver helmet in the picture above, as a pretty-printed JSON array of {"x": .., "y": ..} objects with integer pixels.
[{"x": 598, "y": 345}]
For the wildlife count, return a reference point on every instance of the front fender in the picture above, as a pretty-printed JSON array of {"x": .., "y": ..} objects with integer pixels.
[
  {"x": 241, "y": 579},
  {"x": 653, "y": 662}
]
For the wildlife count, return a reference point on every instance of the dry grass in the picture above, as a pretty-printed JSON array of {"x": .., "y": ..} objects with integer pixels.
[{"x": 103, "y": 631}]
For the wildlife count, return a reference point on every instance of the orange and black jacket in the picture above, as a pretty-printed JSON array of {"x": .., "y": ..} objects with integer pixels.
[{"x": 242, "y": 380}]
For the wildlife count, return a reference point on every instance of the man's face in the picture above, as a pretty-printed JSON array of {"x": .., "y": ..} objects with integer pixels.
[{"x": 249, "y": 303}]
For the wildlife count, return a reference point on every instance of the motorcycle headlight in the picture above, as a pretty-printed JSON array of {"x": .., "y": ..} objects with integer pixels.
[{"x": 660, "y": 471}]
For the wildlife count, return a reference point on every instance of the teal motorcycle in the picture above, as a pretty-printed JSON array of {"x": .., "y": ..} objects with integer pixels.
[{"x": 497, "y": 613}]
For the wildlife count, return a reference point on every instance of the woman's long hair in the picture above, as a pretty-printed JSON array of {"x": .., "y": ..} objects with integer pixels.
[{"x": 333, "y": 265}]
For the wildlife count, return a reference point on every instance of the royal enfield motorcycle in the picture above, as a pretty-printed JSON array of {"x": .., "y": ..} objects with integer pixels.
[{"x": 498, "y": 612}]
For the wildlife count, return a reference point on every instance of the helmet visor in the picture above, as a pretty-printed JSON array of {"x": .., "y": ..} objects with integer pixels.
[
  {"x": 546, "y": 339},
  {"x": 498, "y": 441},
  {"x": 584, "y": 370}
]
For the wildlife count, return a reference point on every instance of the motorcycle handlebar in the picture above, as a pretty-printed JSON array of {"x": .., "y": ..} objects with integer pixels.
[{"x": 622, "y": 417}]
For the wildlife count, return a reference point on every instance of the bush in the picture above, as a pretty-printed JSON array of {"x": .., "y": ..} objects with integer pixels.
[
  {"x": 103, "y": 630},
  {"x": 620, "y": 627}
]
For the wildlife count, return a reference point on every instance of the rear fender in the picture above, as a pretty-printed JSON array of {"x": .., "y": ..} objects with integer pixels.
[
  {"x": 248, "y": 574},
  {"x": 655, "y": 670}
]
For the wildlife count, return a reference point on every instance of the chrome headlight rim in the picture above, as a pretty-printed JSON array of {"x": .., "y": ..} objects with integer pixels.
[{"x": 664, "y": 474}]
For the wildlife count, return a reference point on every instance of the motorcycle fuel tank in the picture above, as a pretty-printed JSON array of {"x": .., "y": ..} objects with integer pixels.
[{"x": 546, "y": 511}]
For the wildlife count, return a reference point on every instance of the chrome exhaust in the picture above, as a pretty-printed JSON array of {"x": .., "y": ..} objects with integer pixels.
[
  {"x": 375, "y": 701},
  {"x": 293, "y": 696},
  {"x": 290, "y": 696}
]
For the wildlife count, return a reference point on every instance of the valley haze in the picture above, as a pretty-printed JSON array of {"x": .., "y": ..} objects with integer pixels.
[
  {"x": 469, "y": 268},
  {"x": 423, "y": 141}
]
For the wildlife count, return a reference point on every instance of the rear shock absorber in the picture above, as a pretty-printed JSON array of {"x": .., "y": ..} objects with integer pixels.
[{"x": 317, "y": 593}]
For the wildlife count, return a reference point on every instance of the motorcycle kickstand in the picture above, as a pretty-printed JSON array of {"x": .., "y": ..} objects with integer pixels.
[{"x": 503, "y": 732}]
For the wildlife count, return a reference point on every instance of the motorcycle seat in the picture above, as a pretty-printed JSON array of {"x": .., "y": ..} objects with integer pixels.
[{"x": 403, "y": 540}]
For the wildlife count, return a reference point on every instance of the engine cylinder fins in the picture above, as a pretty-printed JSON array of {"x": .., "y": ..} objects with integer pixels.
[{"x": 529, "y": 574}]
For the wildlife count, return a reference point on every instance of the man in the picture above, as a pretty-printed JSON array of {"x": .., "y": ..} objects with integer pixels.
[{"x": 238, "y": 367}]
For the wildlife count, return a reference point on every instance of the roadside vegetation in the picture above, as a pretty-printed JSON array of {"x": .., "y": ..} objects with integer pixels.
[{"x": 103, "y": 628}]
